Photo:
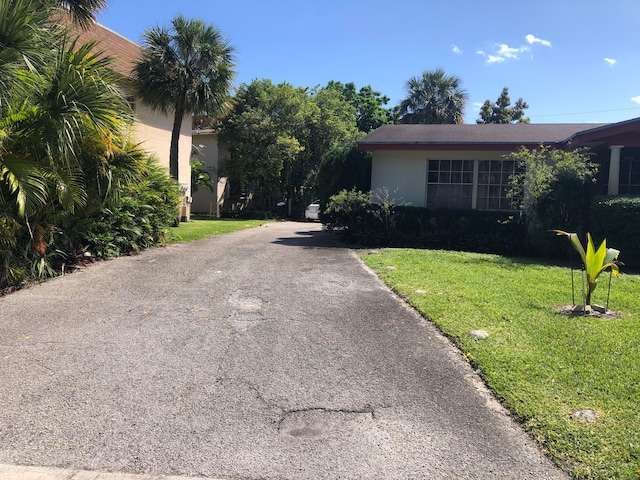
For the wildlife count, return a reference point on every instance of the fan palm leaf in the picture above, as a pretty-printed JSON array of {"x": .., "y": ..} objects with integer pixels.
[{"x": 434, "y": 97}]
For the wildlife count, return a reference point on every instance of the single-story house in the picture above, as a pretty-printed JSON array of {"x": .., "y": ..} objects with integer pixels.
[
  {"x": 464, "y": 166},
  {"x": 208, "y": 150},
  {"x": 151, "y": 129}
]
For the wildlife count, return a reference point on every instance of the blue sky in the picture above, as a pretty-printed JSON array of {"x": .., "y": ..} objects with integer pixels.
[{"x": 571, "y": 60}]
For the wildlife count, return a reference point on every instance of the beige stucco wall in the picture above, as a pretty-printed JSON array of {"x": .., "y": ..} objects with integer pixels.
[
  {"x": 403, "y": 173},
  {"x": 153, "y": 131},
  {"x": 211, "y": 153}
]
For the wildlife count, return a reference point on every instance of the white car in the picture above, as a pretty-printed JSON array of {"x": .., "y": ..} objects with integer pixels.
[{"x": 312, "y": 211}]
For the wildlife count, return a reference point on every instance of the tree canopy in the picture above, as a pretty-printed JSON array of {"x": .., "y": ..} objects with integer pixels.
[
  {"x": 368, "y": 104},
  {"x": 187, "y": 68},
  {"x": 277, "y": 136},
  {"x": 501, "y": 110},
  {"x": 433, "y": 97}
]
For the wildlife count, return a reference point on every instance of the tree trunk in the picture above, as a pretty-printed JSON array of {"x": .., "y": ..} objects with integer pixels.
[{"x": 175, "y": 139}]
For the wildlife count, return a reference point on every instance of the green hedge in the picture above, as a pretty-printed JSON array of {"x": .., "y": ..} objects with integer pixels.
[
  {"x": 618, "y": 220},
  {"x": 360, "y": 221}
]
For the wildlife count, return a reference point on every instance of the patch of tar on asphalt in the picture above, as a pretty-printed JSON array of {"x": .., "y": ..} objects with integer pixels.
[
  {"x": 243, "y": 303},
  {"x": 246, "y": 312},
  {"x": 315, "y": 424}
]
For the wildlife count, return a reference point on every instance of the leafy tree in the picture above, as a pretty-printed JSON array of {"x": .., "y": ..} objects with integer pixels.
[
  {"x": 552, "y": 190},
  {"x": 368, "y": 104},
  {"x": 433, "y": 97},
  {"x": 278, "y": 135},
  {"x": 187, "y": 68},
  {"x": 343, "y": 168},
  {"x": 502, "y": 112}
]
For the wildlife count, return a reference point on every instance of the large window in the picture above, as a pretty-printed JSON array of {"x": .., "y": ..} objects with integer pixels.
[
  {"x": 629, "y": 176},
  {"x": 481, "y": 184},
  {"x": 493, "y": 184},
  {"x": 450, "y": 184}
]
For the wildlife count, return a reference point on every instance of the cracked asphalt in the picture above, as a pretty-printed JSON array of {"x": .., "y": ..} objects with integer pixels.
[{"x": 271, "y": 353}]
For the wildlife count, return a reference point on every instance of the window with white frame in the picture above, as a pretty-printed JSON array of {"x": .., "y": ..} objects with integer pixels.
[{"x": 481, "y": 184}]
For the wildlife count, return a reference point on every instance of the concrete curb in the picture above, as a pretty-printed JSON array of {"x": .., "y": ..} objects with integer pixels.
[{"x": 15, "y": 472}]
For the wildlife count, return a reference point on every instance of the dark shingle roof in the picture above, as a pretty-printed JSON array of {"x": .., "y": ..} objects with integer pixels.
[{"x": 472, "y": 134}]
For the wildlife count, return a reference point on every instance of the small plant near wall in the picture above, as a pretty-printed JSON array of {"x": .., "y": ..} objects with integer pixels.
[{"x": 594, "y": 262}]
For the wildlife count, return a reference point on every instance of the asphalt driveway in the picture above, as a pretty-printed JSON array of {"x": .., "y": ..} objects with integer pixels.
[{"x": 268, "y": 353}]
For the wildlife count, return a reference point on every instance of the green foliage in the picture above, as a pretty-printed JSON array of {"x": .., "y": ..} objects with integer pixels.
[
  {"x": 343, "y": 168},
  {"x": 348, "y": 212},
  {"x": 200, "y": 176},
  {"x": 552, "y": 192},
  {"x": 434, "y": 97},
  {"x": 357, "y": 219},
  {"x": 368, "y": 104},
  {"x": 277, "y": 136},
  {"x": 618, "y": 219},
  {"x": 502, "y": 112},
  {"x": 139, "y": 217},
  {"x": 594, "y": 261},
  {"x": 71, "y": 181}
]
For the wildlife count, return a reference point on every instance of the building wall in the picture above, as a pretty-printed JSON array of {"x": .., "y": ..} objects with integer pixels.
[
  {"x": 403, "y": 173},
  {"x": 153, "y": 132},
  {"x": 211, "y": 153}
]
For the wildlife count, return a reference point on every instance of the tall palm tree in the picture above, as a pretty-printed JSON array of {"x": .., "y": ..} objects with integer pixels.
[
  {"x": 434, "y": 97},
  {"x": 188, "y": 68}
]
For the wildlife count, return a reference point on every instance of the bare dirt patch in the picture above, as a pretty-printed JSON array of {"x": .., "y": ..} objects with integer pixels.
[{"x": 580, "y": 311}]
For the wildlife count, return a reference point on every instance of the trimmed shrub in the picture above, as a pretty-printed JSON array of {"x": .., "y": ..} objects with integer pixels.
[
  {"x": 357, "y": 219},
  {"x": 618, "y": 220}
]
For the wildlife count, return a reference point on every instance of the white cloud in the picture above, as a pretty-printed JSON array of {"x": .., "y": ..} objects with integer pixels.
[
  {"x": 504, "y": 52},
  {"x": 533, "y": 39},
  {"x": 610, "y": 61},
  {"x": 494, "y": 59},
  {"x": 635, "y": 99},
  {"x": 456, "y": 50}
]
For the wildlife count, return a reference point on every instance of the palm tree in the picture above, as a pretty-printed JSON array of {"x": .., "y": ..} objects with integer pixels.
[
  {"x": 434, "y": 97},
  {"x": 187, "y": 69},
  {"x": 82, "y": 11}
]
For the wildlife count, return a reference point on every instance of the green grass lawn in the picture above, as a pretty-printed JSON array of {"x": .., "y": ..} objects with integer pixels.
[
  {"x": 203, "y": 227},
  {"x": 542, "y": 364}
]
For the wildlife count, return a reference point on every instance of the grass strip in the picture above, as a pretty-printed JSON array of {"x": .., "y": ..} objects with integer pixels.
[
  {"x": 202, "y": 227},
  {"x": 542, "y": 364}
]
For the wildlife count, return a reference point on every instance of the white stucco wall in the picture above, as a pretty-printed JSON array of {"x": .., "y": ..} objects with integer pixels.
[{"x": 404, "y": 172}]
